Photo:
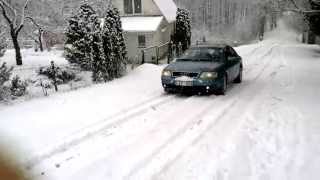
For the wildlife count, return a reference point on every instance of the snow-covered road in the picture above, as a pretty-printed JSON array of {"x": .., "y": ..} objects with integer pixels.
[{"x": 266, "y": 128}]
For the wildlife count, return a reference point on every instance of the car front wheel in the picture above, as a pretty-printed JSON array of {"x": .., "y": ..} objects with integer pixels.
[
  {"x": 168, "y": 91},
  {"x": 224, "y": 87}
]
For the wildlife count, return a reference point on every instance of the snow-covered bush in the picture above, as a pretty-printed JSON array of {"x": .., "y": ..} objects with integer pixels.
[
  {"x": 61, "y": 75},
  {"x": 5, "y": 73},
  {"x": 3, "y": 45},
  {"x": 79, "y": 37},
  {"x": 18, "y": 87},
  {"x": 183, "y": 29},
  {"x": 111, "y": 62}
]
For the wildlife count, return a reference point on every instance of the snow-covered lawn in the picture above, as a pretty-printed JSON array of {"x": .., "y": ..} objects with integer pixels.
[
  {"x": 32, "y": 62},
  {"x": 32, "y": 59},
  {"x": 265, "y": 128}
]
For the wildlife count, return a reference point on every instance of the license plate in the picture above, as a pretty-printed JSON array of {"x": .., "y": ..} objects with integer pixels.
[{"x": 184, "y": 83}]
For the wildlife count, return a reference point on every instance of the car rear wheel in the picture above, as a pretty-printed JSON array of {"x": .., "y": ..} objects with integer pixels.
[{"x": 239, "y": 78}]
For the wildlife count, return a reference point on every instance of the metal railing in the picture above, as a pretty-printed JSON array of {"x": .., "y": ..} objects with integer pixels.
[{"x": 154, "y": 54}]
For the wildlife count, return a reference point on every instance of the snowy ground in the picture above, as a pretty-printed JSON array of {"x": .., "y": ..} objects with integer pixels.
[
  {"x": 266, "y": 128},
  {"x": 32, "y": 62}
]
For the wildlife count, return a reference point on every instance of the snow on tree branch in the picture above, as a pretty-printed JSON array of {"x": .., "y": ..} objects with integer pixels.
[{"x": 15, "y": 27}]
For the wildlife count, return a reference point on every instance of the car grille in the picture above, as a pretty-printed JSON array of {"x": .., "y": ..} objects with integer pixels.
[{"x": 188, "y": 74}]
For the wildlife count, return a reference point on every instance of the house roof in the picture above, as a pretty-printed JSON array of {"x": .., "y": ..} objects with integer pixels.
[
  {"x": 168, "y": 9},
  {"x": 141, "y": 23}
]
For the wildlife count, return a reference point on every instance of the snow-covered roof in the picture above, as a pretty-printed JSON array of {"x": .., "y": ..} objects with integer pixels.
[
  {"x": 168, "y": 9},
  {"x": 141, "y": 23}
]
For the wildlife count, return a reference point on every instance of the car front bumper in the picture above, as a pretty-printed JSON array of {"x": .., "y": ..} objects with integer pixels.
[{"x": 197, "y": 85}]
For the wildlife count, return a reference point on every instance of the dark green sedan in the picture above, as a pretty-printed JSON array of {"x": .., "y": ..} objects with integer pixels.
[{"x": 203, "y": 69}]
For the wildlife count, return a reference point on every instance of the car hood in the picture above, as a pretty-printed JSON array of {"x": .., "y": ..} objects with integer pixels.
[{"x": 193, "y": 66}]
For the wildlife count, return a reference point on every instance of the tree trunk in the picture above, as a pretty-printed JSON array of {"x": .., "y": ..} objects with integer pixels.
[
  {"x": 17, "y": 49},
  {"x": 40, "y": 41}
]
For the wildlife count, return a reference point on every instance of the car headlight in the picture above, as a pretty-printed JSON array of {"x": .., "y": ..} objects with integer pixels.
[
  {"x": 166, "y": 73},
  {"x": 209, "y": 75}
]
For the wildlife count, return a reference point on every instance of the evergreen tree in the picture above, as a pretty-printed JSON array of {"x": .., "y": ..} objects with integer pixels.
[
  {"x": 119, "y": 46},
  {"x": 80, "y": 36},
  {"x": 99, "y": 61},
  {"x": 114, "y": 47},
  {"x": 183, "y": 29}
]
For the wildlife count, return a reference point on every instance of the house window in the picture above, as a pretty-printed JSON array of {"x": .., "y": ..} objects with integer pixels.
[
  {"x": 132, "y": 6},
  {"x": 142, "y": 41},
  {"x": 128, "y": 9},
  {"x": 137, "y": 6}
]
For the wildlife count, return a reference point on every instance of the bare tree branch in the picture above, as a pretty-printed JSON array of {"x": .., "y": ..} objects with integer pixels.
[
  {"x": 6, "y": 4},
  {"x": 33, "y": 22},
  {"x": 14, "y": 27},
  {"x": 295, "y": 4},
  {"x": 22, "y": 16},
  {"x": 303, "y": 11},
  {"x": 4, "y": 13}
]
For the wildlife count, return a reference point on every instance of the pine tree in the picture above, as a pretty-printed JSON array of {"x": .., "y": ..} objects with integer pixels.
[
  {"x": 183, "y": 29},
  {"x": 119, "y": 47},
  {"x": 99, "y": 61},
  {"x": 114, "y": 47},
  {"x": 79, "y": 37}
]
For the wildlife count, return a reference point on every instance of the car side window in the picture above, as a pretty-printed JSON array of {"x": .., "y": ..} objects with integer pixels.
[{"x": 233, "y": 52}]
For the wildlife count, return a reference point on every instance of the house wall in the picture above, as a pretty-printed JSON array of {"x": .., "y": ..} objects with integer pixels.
[
  {"x": 153, "y": 39},
  {"x": 133, "y": 49},
  {"x": 164, "y": 36},
  {"x": 149, "y": 8},
  {"x": 159, "y": 37}
]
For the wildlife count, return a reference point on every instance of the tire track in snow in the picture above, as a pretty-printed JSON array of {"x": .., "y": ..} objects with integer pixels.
[
  {"x": 116, "y": 119},
  {"x": 265, "y": 54},
  {"x": 190, "y": 125}
]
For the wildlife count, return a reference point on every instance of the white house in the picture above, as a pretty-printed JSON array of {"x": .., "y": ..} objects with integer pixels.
[{"x": 146, "y": 24}]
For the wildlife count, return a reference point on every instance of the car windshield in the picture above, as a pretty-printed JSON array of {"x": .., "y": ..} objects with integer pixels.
[{"x": 202, "y": 54}]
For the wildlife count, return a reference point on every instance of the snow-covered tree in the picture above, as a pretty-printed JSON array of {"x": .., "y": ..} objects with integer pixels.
[
  {"x": 79, "y": 36},
  {"x": 3, "y": 44},
  {"x": 99, "y": 61},
  {"x": 5, "y": 73},
  {"x": 119, "y": 47},
  {"x": 114, "y": 48},
  {"x": 183, "y": 29},
  {"x": 9, "y": 12}
]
